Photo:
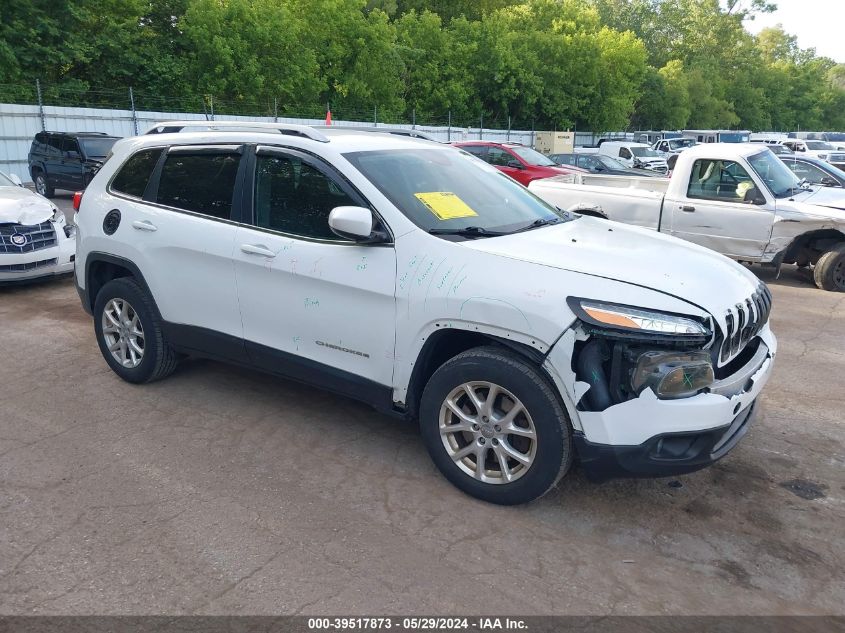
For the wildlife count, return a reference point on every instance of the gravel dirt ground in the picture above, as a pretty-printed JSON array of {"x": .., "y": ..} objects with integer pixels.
[{"x": 222, "y": 490}]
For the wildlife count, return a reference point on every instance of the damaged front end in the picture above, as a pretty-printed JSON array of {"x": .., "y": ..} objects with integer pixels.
[{"x": 659, "y": 394}]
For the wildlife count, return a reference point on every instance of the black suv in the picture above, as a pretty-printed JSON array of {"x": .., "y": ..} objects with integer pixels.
[{"x": 67, "y": 160}]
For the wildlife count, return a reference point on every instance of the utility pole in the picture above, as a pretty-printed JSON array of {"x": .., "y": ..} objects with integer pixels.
[
  {"x": 40, "y": 104},
  {"x": 134, "y": 114}
]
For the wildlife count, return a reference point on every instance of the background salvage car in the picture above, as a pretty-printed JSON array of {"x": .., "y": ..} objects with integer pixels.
[
  {"x": 738, "y": 199},
  {"x": 815, "y": 171},
  {"x": 67, "y": 160},
  {"x": 35, "y": 239}
]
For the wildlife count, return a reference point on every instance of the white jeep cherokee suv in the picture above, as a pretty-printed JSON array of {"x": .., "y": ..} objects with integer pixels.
[{"x": 419, "y": 279}]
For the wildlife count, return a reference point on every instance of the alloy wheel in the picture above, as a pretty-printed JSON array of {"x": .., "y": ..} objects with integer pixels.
[
  {"x": 488, "y": 432},
  {"x": 123, "y": 333}
]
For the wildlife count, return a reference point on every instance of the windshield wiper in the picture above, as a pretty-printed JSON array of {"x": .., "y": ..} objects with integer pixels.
[
  {"x": 538, "y": 223},
  {"x": 468, "y": 231}
]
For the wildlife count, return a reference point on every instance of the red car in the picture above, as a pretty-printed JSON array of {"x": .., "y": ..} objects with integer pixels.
[{"x": 520, "y": 162}]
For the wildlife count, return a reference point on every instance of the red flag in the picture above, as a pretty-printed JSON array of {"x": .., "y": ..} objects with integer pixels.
[{"x": 328, "y": 117}]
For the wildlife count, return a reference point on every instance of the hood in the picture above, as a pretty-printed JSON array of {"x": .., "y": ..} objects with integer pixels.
[
  {"x": 22, "y": 206},
  {"x": 632, "y": 255},
  {"x": 831, "y": 197}
]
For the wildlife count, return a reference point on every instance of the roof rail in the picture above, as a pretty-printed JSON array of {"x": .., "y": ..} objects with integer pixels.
[
  {"x": 397, "y": 131},
  {"x": 168, "y": 127}
]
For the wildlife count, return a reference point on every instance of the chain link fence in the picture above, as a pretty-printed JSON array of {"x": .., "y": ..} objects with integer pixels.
[{"x": 28, "y": 108}]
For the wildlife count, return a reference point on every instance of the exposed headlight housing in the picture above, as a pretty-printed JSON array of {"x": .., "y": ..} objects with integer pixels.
[
  {"x": 672, "y": 374},
  {"x": 634, "y": 322},
  {"x": 58, "y": 216}
]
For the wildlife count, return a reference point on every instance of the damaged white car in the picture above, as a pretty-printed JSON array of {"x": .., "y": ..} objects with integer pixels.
[
  {"x": 737, "y": 199},
  {"x": 414, "y": 277},
  {"x": 35, "y": 239}
]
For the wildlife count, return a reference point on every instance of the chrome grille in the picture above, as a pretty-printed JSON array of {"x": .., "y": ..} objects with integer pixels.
[
  {"x": 37, "y": 236},
  {"x": 744, "y": 321}
]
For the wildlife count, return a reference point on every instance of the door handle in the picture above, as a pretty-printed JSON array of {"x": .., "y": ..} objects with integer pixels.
[
  {"x": 144, "y": 225},
  {"x": 688, "y": 208},
  {"x": 257, "y": 249}
]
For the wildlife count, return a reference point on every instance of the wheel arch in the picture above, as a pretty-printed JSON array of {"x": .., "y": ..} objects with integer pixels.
[
  {"x": 36, "y": 167},
  {"x": 100, "y": 268},
  {"x": 446, "y": 343},
  {"x": 808, "y": 247}
]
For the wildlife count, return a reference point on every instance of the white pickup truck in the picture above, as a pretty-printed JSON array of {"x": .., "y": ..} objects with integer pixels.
[{"x": 737, "y": 199}]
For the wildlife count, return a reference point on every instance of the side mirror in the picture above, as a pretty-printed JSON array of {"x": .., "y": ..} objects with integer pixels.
[
  {"x": 829, "y": 182},
  {"x": 355, "y": 223},
  {"x": 753, "y": 196},
  {"x": 515, "y": 164},
  {"x": 598, "y": 168},
  {"x": 16, "y": 179}
]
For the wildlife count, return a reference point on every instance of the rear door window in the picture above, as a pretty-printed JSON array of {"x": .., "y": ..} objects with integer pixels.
[
  {"x": 496, "y": 156},
  {"x": 71, "y": 145},
  {"x": 54, "y": 145},
  {"x": 202, "y": 182},
  {"x": 476, "y": 150},
  {"x": 133, "y": 177}
]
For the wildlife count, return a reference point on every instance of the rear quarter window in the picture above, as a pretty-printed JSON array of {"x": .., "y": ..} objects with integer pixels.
[{"x": 133, "y": 177}]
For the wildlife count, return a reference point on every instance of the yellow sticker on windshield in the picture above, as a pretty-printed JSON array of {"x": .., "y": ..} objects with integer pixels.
[{"x": 445, "y": 205}]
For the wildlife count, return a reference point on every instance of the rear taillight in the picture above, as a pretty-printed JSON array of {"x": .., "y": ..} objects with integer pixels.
[{"x": 77, "y": 200}]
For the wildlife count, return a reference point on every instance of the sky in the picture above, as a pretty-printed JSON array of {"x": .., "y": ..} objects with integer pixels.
[{"x": 818, "y": 24}]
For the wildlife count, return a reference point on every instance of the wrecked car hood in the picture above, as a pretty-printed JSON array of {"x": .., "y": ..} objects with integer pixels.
[
  {"x": 22, "y": 206},
  {"x": 632, "y": 255},
  {"x": 832, "y": 199}
]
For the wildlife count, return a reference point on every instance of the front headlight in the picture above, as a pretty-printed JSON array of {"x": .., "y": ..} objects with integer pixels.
[
  {"x": 672, "y": 374},
  {"x": 637, "y": 320}
]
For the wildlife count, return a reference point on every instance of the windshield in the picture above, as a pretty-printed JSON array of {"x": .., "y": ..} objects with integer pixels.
[
  {"x": 533, "y": 157},
  {"x": 816, "y": 145},
  {"x": 610, "y": 163},
  {"x": 680, "y": 143},
  {"x": 837, "y": 137},
  {"x": 441, "y": 189},
  {"x": 777, "y": 176},
  {"x": 97, "y": 147},
  {"x": 646, "y": 152},
  {"x": 5, "y": 181}
]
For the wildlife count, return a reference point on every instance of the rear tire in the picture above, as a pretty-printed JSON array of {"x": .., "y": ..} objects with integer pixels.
[
  {"x": 508, "y": 449},
  {"x": 829, "y": 271},
  {"x": 42, "y": 186},
  {"x": 129, "y": 332}
]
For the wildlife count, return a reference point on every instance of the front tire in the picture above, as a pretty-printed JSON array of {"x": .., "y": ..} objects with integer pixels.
[
  {"x": 42, "y": 186},
  {"x": 129, "y": 332},
  {"x": 494, "y": 427},
  {"x": 829, "y": 271}
]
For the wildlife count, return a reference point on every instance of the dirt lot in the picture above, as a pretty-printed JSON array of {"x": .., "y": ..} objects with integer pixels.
[{"x": 221, "y": 490}]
